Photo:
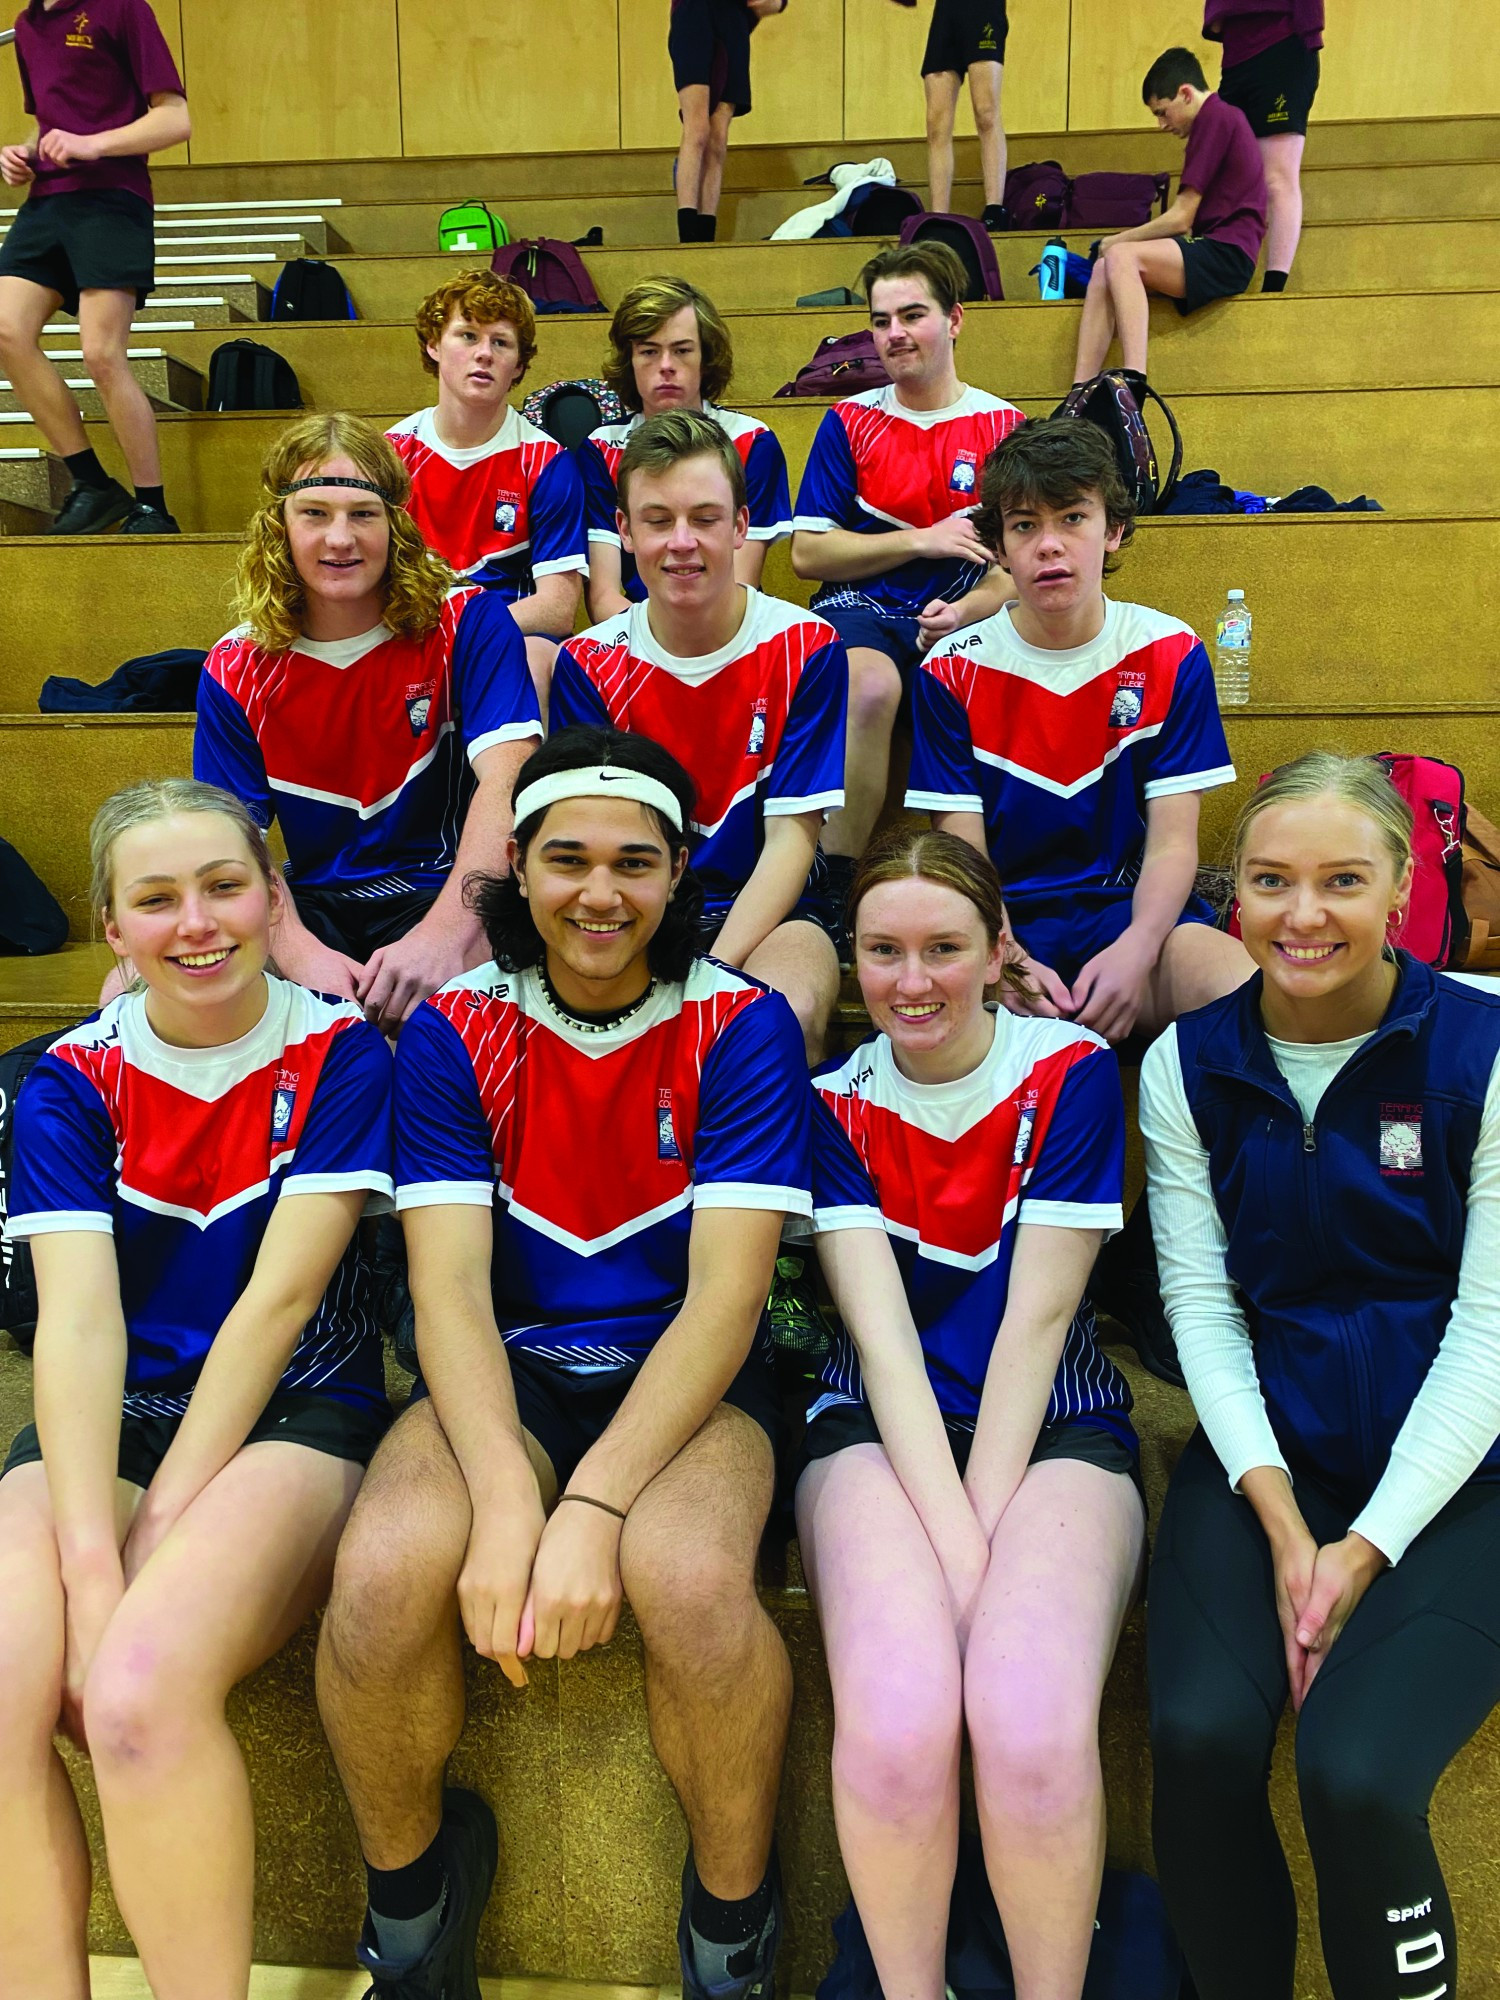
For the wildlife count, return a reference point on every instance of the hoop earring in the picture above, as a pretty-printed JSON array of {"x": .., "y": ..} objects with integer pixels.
[{"x": 1395, "y": 920}]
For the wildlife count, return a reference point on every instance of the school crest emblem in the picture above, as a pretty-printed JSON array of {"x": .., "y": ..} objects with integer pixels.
[
  {"x": 283, "y": 1104},
  {"x": 1129, "y": 698},
  {"x": 965, "y": 473},
  {"x": 1025, "y": 1126},
  {"x": 666, "y": 1132},
  {"x": 1400, "y": 1139},
  {"x": 507, "y": 513},
  {"x": 419, "y": 705},
  {"x": 757, "y": 741}
]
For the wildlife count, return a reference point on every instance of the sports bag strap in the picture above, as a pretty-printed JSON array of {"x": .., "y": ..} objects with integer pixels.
[{"x": 1168, "y": 485}]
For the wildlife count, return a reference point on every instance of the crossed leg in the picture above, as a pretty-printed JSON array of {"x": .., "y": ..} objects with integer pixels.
[{"x": 1116, "y": 302}]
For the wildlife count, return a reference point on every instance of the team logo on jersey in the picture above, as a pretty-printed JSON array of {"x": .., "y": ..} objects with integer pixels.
[
  {"x": 965, "y": 472},
  {"x": 1129, "y": 699},
  {"x": 1025, "y": 1125},
  {"x": 507, "y": 512},
  {"x": 283, "y": 1103},
  {"x": 419, "y": 705},
  {"x": 757, "y": 741},
  {"x": 1401, "y": 1139},
  {"x": 667, "y": 1147}
]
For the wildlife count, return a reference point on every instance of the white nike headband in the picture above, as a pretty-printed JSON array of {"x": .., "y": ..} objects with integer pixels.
[{"x": 607, "y": 781}]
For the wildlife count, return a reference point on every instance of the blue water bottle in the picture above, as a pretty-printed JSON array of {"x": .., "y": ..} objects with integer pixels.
[{"x": 1052, "y": 270}]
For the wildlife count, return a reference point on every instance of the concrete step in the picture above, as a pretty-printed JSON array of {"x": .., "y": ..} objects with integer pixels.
[
  {"x": 396, "y": 263},
  {"x": 33, "y": 478},
  {"x": 592, "y": 1840},
  {"x": 1136, "y": 149},
  {"x": 1332, "y": 595},
  {"x": 170, "y": 382},
  {"x": 1402, "y": 340},
  {"x": 244, "y": 294},
  {"x": 1427, "y": 451}
]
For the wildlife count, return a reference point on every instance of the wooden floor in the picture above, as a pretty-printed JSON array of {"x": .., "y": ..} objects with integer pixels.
[{"x": 123, "y": 1979}]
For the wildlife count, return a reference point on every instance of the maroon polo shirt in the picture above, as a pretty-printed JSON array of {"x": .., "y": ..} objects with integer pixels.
[
  {"x": 1247, "y": 28},
  {"x": 1223, "y": 165},
  {"x": 92, "y": 66}
]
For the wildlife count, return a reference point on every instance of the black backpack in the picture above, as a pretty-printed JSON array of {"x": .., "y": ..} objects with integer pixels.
[
  {"x": 877, "y": 209},
  {"x": 31, "y": 918},
  {"x": 970, "y": 243},
  {"x": 1110, "y": 402},
  {"x": 569, "y": 411},
  {"x": 310, "y": 289},
  {"x": 17, "y": 1277},
  {"x": 243, "y": 375}
]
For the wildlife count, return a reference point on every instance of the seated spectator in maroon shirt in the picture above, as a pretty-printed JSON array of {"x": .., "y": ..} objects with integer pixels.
[
  {"x": 1270, "y": 73},
  {"x": 103, "y": 90},
  {"x": 1206, "y": 244}
]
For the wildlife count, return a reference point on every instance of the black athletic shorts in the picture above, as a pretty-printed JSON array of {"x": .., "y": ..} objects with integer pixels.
[
  {"x": 567, "y": 1413},
  {"x": 1213, "y": 270},
  {"x": 360, "y": 925},
  {"x": 964, "y": 32},
  {"x": 322, "y": 1423},
  {"x": 709, "y": 42},
  {"x": 844, "y": 1424},
  {"x": 1275, "y": 89},
  {"x": 83, "y": 242}
]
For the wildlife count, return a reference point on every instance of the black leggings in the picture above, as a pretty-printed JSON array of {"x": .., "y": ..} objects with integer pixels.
[{"x": 1408, "y": 1681}]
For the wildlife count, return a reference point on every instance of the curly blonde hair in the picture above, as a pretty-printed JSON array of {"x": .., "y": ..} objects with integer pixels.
[
  {"x": 271, "y": 598},
  {"x": 481, "y": 298},
  {"x": 644, "y": 311}
]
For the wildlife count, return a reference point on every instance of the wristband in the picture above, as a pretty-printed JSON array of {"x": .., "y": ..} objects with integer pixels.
[{"x": 585, "y": 1500}]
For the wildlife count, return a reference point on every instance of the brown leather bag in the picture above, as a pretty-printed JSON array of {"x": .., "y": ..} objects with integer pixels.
[{"x": 1481, "y": 892}]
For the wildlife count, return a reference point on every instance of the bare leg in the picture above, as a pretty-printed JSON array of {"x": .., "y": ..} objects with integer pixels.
[
  {"x": 693, "y": 147},
  {"x": 874, "y": 698},
  {"x": 712, "y": 183},
  {"x": 799, "y": 960},
  {"x": 897, "y": 1706},
  {"x": 541, "y": 657},
  {"x": 236, "y": 1576},
  {"x": 1131, "y": 271},
  {"x": 104, "y": 318},
  {"x": 1197, "y": 964},
  {"x": 940, "y": 89},
  {"x": 25, "y": 309},
  {"x": 1064, "y": 1565},
  {"x": 984, "y": 94},
  {"x": 44, "y": 1883},
  {"x": 1096, "y": 329},
  {"x": 1283, "y": 161},
  {"x": 718, "y": 1681}
]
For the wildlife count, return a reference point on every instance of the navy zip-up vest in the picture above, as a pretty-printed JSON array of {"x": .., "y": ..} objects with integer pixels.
[{"x": 1345, "y": 1235}]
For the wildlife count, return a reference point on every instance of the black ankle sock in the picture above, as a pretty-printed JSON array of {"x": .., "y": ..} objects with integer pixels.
[
  {"x": 86, "y": 469},
  {"x": 403, "y": 1893},
  {"x": 1136, "y": 377},
  {"x": 152, "y": 496},
  {"x": 707, "y": 228},
  {"x": 1274, "y": 281},
  {"x": 718, "y": 1922},
  {"x": 687, "y": 225}
]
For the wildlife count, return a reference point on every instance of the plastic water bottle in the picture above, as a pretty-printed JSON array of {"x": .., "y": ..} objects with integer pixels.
[
  {"x": 1052, "y": 270},
  {"x": 1232, "y": 652}
]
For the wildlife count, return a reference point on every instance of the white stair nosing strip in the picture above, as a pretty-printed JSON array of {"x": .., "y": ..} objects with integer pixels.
[
  {"x": 11, "y": 452},
  {"x": 176, "y": 305},
  {"x": 271, "y": 201},
  {"x": 136, "y": 326},
  {"x": 248, "y": 257},
  {"x": 233, "y": 243},
  {"x": 235, "y": 222},
  {"x": 131, "y": 353},
  {"x": 206, "y": 277}
]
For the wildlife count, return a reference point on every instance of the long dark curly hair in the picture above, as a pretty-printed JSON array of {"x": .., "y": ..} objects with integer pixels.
[{"x": 505, "y": 913}]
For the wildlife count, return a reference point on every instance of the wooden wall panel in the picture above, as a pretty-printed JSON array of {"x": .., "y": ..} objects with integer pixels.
[
  {"x": 1112, "y": 48},
  {"x": 13, "y": 119},
  {"x": 796, "y": 76},
  {"x": 1389, "y": 59},
  {"x": 883, "y": 48},
  {"x": 305, "y": 80},
  {"x": 522, "y": 77}
]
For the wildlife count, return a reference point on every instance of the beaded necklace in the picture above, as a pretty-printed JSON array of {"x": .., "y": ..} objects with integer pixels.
[{"x": 587, "y": 1024}]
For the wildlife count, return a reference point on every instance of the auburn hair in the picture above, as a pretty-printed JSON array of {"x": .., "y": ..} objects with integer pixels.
[
  {"x": 922, "y": 853},
  {"x": 481, "y": 298},
  {"x": 644, "y": 311},
  {"x": 270, "y": 596}
]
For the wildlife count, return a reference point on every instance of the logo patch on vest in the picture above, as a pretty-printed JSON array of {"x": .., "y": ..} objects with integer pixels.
[
  {"x": 1025, "y": 1125},
  {"x": 757, "y": 741},
  {"x": 283, "y": 1103},
  {"x": 666, "y": 1133},
  {"x": 1130, "y": 696},
  {"x": 1401, "y": 1139},
  {"x": 419, "y": 705},
  {"x": 507, "y": 512},
  {"x": 965, "y": 472}
]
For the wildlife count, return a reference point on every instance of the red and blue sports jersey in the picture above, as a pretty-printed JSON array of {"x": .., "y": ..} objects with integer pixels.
[
  {"x": 766, "y": 486},
  {"x": 875, "y": 465},
  {"x": 595, "y": 1148},
  {"x": 181, "y": 1155},
  {"x": 361, "y": 747},
  {"x": 1061, "y": 752},
  {"x": 504, "y": 512},
  {"x": 759, "y": 725},
  {"x": 1035, "y": 1134}
]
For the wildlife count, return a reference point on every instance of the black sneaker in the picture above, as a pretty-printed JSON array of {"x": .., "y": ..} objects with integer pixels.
[
  {"x": 995, "y": 218},
  {"x": 832, "y": 879},
  {"x": 144, "y": 519},
  {"x": 446, "y": 1971},
  {"x": 757, "y": 1979},
  {"x": 89, "y": 510},
  {"x": 798, "y": 1323}
]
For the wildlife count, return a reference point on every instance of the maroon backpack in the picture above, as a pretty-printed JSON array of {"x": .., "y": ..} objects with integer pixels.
[
  {"x": 1110, "y": 402},
  {"x": 1114, "y": 201},
  {"x": 969, "y": 241},
  {"x": 550, "y": 272},
  {"x": 842, "y": 365},
  {"x": 1036, "y": 195}
]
